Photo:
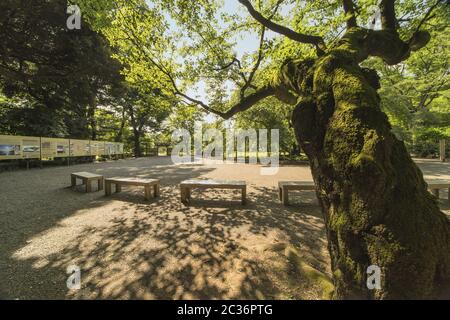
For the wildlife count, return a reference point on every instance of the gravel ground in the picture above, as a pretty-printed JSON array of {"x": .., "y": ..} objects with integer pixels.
[{"x": 129, "y": 248}]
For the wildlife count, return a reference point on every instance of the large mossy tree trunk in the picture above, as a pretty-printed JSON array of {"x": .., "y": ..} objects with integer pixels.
[
  {"x": 375, "y": 201},
  {"x": 137, "y": 132}
]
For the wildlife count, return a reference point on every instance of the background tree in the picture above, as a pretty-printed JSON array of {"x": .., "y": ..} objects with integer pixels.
[
  {"x": 69, "y": 83},
  {"x": 147, "y": 113},
  {"x": 54, "y": 77},
  {"x": 415, "y": 93},
  {"x": 271, "y": 114}
]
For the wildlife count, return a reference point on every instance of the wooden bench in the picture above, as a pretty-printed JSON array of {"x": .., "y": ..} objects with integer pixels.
[
  {"x": 87, "y": 179},
  {"x": 435, "y": 185},
  {"x": 285, "y": 186},
  {"x": 148, "y": 184},
  {"x": 188, "y": 185}
]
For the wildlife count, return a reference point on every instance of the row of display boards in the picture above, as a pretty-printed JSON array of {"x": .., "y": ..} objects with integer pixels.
[{"x": 21, "y": 147}]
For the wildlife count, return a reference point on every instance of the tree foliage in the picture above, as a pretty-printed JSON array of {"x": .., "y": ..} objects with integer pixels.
[
  {"x": 415, "y": 94},
  {"x": 71, "y": 83},
  {"x": 51, "y": 72}
]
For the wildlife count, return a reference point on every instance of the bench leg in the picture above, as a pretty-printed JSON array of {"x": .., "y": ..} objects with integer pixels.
[
  {"x": 100, "y": 184},
  {"x": 73, "y": 181},
  {"x": 88, "y": 186},
  {"x": 156, "y": 190},
  {"x": 188, "y": 194},
  {"x": 244, "y": 195},
  {"x": 107, "y": 188},
  {"x": 436, "y": 192},
  {"x": 285, "y": 197},
  {"x": 184, "y": 195},
  {"x": 118, "y": 188},
  {"x": 148, "y": 193},
  {"x": 280, "y": 194}
]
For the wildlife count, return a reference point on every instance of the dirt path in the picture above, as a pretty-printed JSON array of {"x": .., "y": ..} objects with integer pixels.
[{"x": 129, "y": 248}]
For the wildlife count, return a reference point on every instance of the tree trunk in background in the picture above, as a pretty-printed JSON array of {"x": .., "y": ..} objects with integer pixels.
[
  {"x": 137, "y": 143},
  {"x": 136, "y": 133},
  {"x": 119, "y": 136},
  {"x": 376, "y": 205},
  {"x": 92, "y": 121},
  {"x": 294, "y": 151},
  {"x": 442, "y": 154}
]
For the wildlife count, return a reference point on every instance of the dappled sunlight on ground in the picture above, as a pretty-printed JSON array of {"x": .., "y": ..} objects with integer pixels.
[{"x": 127, "y": 247}]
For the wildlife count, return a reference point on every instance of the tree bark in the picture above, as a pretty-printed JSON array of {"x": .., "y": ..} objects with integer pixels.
[
  {"x": 137, "y": 143},
  {"x": 376, "y": 206},
  {"x": 119, "y": 135},
  {"x": 92, "y": 119},
  {"x": 136, "y": 132}
]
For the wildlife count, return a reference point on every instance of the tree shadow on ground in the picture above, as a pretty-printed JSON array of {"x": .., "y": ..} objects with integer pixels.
[
  {"x": 38, "y": 202},
  {"x": 168, "y": 251},
  {"x": 129, "y": 248}
]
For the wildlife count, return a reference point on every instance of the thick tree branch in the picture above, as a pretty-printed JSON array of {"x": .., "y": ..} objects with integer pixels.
[
  {"x": 255, "y": 68},
  {"x": 249, "y": 101},
  {"x": 428, "y": 15},
  {"x": 350, "y": 14},
  {"x": 291, "y": 34},
  {"x": 421, "y": 38},
  {"x": 387, "y": 43},
  {"x": 228, "y": 65},
  {"x": 239, "y": 72},
  {"x": 244, "y": 104},
  {"x": 249, "y": 79},
  {"x": 388, "y": 18}
]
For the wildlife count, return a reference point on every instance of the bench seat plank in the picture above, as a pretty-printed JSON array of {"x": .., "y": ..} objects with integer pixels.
[
  {"x": 140, "y": 182},
  {"x": 214, "y": 183},
  {"x": 87, "y": 179},
  {"x": 297, "y": 185},
  {"x": 436, "y": 185},
  {"x": 133, "y": 181},
  {"x": 87, "y": 175},
  {"x": 188, "y": 185},
  {"x": 285, "y": 186}
]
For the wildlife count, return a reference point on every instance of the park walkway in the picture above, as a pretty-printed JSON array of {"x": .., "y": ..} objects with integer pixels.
[{"x": 127, "y": 247}]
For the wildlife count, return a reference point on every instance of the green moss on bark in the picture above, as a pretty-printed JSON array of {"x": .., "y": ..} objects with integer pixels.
[{"x": 376, "y": 205}]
